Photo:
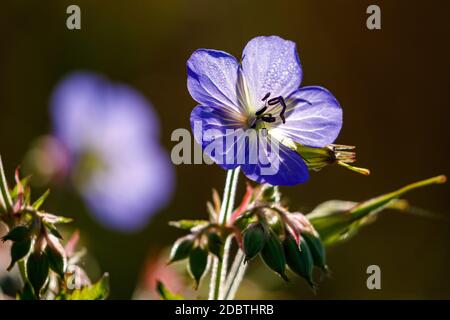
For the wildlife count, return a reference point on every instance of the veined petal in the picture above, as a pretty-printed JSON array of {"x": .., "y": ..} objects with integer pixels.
[
  {"x": 211, "y": 126},
  {"x": 313, "y": 118},
  {"x": 212, "y": 79},
  {"x": 279, "y": 166},
  {"x": 270, "y": 64}
]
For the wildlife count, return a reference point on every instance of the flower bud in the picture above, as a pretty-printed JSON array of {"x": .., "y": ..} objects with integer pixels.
[
  {"x": 181, "y": 248},
  {"x": 254, "y": 238},
  {"x": 56, "y": 255},
  {"x": 17, "y": 234},
  {"x": 37, "y": 270},
  {"x": 198, "y": 262},
  {"x": 271, "y": 193},
  {"x": 273, "y": 254},
  {"x": 215, "y": 244},
  {"x": 317, "y": 250},
  {"x": 18, "y": 251},
  {"x": 299, "y": 258}
]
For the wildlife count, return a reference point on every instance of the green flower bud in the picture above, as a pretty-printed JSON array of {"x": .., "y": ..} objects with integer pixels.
[
  {"x": 56, "y": 255},
  {"x": 17, "y": 234},
  {"x": 254, "y": 239},
  {"x": 18, "y": 251},
  {"x": 273, "y": 254},
  {"x": 215, "y": 244},
  {"x": 317, "y": 250},
  {"x": 37, "y": 270},
  {"x": 181, "y": 248},
  {"x": 271, "y": 193},
  {"x": 299, "y": 258},
  {"x": 198, "y": 262}
]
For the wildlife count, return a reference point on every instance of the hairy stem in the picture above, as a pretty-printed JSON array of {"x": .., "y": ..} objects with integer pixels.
[
  {"x": 235, "y": 276},
  {"x": 219, "y": 266}
]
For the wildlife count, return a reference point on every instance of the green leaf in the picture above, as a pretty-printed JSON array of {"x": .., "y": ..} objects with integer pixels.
[
  {"x": 337, "y": 221},
  {"x": 273, "y": 254},
  {"x": 38, "y": 203},
  {"x": 299, "y": 259},
  {"x": 23, "y": 182},
  {"x": 52, "y": 219},
  {"x": 18, "y": 251},
  {"x": 51, "y": 227},
  {"x": 56, "y": 261},
  {"x": 317, "y": 250},
  {"x": 17, "y": 234},
  {"x": 37, "y": 270},
  {"x": 254, "y": 239},
  {"x": 188, "y": 224},
  {"x": 181, "y": 248},
  {"x": 198, "y": 262},
  {"x": 97, "y": 291},
  {"x": 165, "y": 293}
]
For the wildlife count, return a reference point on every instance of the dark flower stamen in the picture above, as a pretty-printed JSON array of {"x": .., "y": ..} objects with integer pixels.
[
  {"x": 268, "y": 118},
  {"x": 261, "y": 111},
  {"x": 266, "y": 96},
  {"x": 283, "y": 110},
  {"x": 279, "y": 100}
]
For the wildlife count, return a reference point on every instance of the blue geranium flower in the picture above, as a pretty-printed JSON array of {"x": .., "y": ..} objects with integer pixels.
[
  {"x": 258, "y": 103},
  {"x": 109, "y": 133}
]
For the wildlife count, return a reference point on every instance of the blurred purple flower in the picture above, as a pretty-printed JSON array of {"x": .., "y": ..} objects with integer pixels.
[{"x": 110, "y": 133}]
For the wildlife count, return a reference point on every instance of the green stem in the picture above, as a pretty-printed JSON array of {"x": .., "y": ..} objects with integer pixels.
[
  {"x": 219, "y": 266},
  {"x": 235, "y": 276},
  {"x": 5, "y": 198}
]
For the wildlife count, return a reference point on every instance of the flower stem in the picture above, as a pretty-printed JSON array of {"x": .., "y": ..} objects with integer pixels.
[
  {"x": 219, "y": 267},
  {"x": 235, "y": 276},
  {"x": 5, "y": 198}
]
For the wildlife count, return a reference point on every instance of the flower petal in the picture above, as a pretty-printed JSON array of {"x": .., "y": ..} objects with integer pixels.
[
  {"x": 314, "y": 124},
  {"x": 212, "y": 79},
  {"x": 278, "y": 167},
  {"x": 270, "y": 64},
  {"x": 211, "y": 125}
]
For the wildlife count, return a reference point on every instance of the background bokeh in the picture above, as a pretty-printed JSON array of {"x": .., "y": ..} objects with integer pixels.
[{"x": 392, "y": 83}]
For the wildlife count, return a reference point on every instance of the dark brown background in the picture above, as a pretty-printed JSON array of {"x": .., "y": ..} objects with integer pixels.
[{"x": 392, "y": 83}]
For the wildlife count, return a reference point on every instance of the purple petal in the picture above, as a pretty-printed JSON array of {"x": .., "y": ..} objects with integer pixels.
[
  {"x": 313, "y": 124},
  {"x": 270, "y": 64},
  {"x": 212, "y": 79},
  {"x": 210, "y": 126},
  {"x": 282, "y": 168}
]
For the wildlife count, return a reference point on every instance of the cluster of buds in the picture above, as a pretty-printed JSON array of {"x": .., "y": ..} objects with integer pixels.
[
  {"x": 261, "y": 226},
  {"x": 281, "y": 238},
  {"x": 36, "y": 245},
  {"x": 204, "y": 238}
]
